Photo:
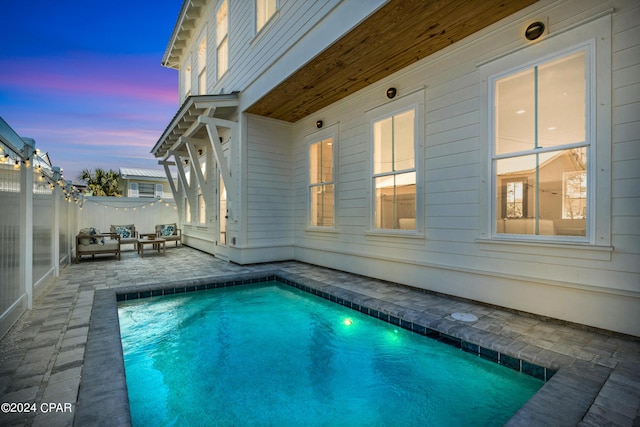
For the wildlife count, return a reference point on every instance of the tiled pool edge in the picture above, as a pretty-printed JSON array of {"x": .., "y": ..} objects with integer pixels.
[
  {"x": 92, "y": 400},
  {"x": 102, "y": 396}
]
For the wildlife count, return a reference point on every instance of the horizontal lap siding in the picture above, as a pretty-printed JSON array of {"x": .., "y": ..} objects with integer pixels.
[
  {"x": 268, "y": 183},
  {"x": 456, "y": 166},
  {"x": 625, "y": 185},
  {"x": 253, "y": 56}
]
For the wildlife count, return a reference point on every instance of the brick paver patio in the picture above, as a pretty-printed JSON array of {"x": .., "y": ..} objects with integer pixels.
[{"x": 43, "y": 355}]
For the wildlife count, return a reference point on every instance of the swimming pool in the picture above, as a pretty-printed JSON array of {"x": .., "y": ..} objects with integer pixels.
[{"x": 269, "y": 354}]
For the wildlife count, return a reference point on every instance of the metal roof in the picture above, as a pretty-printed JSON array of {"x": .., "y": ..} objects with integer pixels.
[{"x": 131, "y": 173}]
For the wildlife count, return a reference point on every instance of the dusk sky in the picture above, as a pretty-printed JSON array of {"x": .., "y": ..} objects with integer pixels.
[{"x": 83, "y": 78}]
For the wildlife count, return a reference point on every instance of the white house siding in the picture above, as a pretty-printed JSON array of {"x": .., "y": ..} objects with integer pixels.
[
  {"x": 593, "y": 285},
  {"x": 295, "y": 34},
  {"x": 267, "y": 208}
]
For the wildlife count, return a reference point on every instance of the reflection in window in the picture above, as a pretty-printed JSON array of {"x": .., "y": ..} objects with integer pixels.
[
  {"x": 575, "y": 195},
  {"x": 541, "y": 148},
  {"x": 222, "y": 39},
  {"x": 514, "y": 199},
  {"x": 394, "y": 178},
  {"x": 187, "y": 81},
  {"x": 202, "y": 209},
  {"x": 264, "y": 11},
  {"x": 222, "y": 212},
  {"x": 187, "y": 210},
  {"x": 321, "y": 187},
  {"x": 202, "y": 67}
]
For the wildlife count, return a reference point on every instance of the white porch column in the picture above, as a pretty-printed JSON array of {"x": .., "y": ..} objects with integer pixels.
[
  {"x": 26, "y": 223},
  {"x": 55, "y": 230}
]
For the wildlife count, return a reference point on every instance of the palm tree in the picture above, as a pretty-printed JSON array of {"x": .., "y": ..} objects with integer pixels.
[{"x": 102, "y": 182}]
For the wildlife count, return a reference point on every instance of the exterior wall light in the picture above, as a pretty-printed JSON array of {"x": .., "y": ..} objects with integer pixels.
[
  {"x": 391, "y": 92},
  {"x": 534, "y": 31},
  {"x": 319, "y": 124}
]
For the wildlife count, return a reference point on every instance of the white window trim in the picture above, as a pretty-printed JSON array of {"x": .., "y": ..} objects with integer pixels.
[
  {"x": 202, "y": 68},
  {"x": 326, "y": 132},
  {"x": 133, "y": 189},
  {"x": 219, "y": 43},
  {"x": 599, "y": 167},
  {"x": 268, "y": 20},
  {"x": 259, "y": 33},
  {"x": 414, "y": 100},
  {"x": 185, "y": 79}
]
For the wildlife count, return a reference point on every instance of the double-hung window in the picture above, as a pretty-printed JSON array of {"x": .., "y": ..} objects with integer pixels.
[
  {"x": 202, "y": 67},
  {"x": 222, "y": 39},
  {"x": 321, "y": 183},
  {"x": 187, "y": 81},
  {"x": 541, "y": 148},
  {"x": 264, "y": 11},
  {"x": 394, "y": 171}
]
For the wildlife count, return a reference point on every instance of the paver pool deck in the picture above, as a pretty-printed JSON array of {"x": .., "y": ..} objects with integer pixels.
[{"x": 42, "y": 358}]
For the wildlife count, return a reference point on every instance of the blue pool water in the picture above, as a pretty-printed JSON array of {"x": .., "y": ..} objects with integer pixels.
[{"x": 271, "y": 355}]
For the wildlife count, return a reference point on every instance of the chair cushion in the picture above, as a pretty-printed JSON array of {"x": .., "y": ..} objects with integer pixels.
[
  {"x": 85, "y": 236},
  {"x": 167, "y": 229},
  {"x": 125, "y": 231},
  {"x": 96, "y": 240}
]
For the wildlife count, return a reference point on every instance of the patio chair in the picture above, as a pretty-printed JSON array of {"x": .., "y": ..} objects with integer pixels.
[
  {"x": 169, "y": 232},
  {"x": 90, "y": 241},
  {"x": 128, "y": 234}
]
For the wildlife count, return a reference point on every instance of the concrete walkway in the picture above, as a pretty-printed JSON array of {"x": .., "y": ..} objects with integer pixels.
[{"x": 42, "y": 357}]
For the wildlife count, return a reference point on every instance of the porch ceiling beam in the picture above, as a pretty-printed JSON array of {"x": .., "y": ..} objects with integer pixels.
[
  {"x": 186, "y": 123},
  {"x": 218, "y": 152},
  {"x": 172, "y": 185},
  {"x": 183, "y": 180},
  {"x": 190, "y": 143},
  {"x": 229, "y": 124},
  {"x": 232, "y": 102}
]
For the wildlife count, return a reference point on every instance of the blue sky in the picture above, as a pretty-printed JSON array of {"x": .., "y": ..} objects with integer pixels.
[{"x": 83, "y": 78}]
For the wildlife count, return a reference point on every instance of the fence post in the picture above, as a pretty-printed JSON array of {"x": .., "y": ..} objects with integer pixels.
[{"x": 26, "y": 224}]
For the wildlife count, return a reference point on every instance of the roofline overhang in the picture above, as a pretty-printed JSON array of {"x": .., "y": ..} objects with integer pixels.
[
  {"x": 395, "y": 36},
  {"x": 185, "y": 122},
  {"x": 190, "y": 12}
]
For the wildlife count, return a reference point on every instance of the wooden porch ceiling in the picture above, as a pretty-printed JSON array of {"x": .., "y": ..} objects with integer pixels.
[{"x": 398, "y": 34}]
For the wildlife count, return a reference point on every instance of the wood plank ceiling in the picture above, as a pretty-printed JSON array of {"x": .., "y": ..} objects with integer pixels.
[{"x": 398, "y": 34}]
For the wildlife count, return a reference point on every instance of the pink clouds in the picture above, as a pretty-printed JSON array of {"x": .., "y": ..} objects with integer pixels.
[
  {"x": 125, "y": 77},
  {"x": 90, "y": 110}
]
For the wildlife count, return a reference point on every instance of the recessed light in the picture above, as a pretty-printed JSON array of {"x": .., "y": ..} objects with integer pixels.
[{"x": 521, "y": 111}]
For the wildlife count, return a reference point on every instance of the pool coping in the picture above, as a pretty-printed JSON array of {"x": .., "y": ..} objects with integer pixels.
[{"x": 570, "y": 386}]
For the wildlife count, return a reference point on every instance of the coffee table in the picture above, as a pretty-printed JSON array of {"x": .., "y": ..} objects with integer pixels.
[{"x": 156, "y": 241}]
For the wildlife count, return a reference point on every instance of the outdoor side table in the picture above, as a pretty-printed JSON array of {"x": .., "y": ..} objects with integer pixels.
[{"x": 156, "y": 242}]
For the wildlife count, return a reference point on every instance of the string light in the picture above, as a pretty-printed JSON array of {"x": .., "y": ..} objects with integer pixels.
[{"x": 141, "y": 205}]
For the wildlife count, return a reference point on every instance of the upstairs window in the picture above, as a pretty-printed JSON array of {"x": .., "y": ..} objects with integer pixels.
[
  {"x": 222, "y": 39},
  {"x": 202, "y": 67},
  {"x": 394, "y": 171},
  {"x": 321, "y": 183},
  {"x": 541, "y": 148},
  {"x": 264, "y": 11},
  {"x": 187, "y": 81}
]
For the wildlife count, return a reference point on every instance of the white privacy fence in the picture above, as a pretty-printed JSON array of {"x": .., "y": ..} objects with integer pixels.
[
  {"x": 40, "y": 215},
  {"x": 103, "y": 212},
  {"x": 37, "y": 208}
]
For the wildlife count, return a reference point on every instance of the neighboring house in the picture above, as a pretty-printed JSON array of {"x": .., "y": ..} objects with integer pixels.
[
  {"x": 487, "y": 150},
  {"x": 147, "y": 183}
]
